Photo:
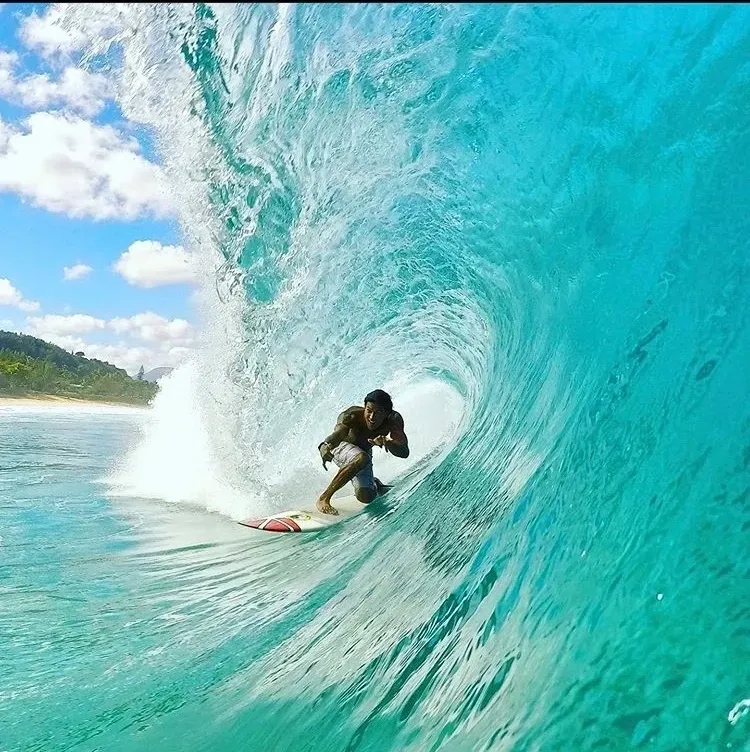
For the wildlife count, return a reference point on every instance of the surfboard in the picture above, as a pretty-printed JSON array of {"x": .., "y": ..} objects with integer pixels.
[{"x": 309, "y": 518}]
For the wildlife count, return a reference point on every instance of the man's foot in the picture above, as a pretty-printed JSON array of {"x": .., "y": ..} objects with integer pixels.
[{"x": 325, "y": 506}]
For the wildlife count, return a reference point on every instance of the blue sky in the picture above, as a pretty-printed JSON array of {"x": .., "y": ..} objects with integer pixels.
[{"x": 81, "y": 189}]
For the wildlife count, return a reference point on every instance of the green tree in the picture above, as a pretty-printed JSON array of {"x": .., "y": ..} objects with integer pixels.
[{"x": 30, "y": 365}]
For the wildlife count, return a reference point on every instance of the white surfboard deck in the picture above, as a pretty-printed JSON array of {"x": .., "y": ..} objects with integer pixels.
[{"x": 309, "y": 519}]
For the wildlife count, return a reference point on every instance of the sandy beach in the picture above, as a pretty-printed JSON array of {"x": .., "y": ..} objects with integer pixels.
[{"x": 52, "y": 400}]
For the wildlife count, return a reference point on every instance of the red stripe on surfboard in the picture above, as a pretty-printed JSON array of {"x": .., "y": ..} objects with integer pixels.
[{"x": 274, "y": 525}]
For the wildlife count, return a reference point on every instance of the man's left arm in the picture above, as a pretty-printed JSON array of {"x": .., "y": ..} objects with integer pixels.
[{"x": 397, "y": 443}]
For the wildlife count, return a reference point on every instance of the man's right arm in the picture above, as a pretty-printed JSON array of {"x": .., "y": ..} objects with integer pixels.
[
  {"x": 340, "y": 432},
  {"x": 338, "y": 435}
]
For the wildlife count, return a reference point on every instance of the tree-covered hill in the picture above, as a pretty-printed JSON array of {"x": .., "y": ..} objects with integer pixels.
[{"x": 29, "y": 365}]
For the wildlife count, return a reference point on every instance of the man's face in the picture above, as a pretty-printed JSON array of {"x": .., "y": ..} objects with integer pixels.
[{"x": 375, "y": 415}]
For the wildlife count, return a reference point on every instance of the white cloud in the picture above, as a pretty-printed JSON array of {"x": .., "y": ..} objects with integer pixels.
[
  {"x": 10, "y": 296},
  {"x": 148, "y": 263},
  {"x": 147, "y": 338},
  {"x": 150, "y": 327},
  {"x": 67, "y": 27},
  {"x": 8, "y": 61},
  {"x": 76, "y": 88},
  {"x": 69, "y": 342},
  {"x": 77, "y": 271},
  {"x": 47, "y": 34},
  {"x": 123, "y": 355},
  {"x": 131, "y": 358},
  {"x": 68, "y": 165},
  {"x": 54, "y": 325}
]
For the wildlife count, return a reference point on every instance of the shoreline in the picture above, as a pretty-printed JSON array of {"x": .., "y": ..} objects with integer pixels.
[{"x": 54, "y": 400}]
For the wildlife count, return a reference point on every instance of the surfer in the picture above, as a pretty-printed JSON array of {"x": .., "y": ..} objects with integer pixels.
[{"x": 357, "y": 431}]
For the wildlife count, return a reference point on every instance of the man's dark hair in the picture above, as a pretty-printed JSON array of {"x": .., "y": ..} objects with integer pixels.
[{"x": 379, "y": 397}]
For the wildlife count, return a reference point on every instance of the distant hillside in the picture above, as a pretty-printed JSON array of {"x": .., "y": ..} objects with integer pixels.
[
  {"x": 29, "y": 365},
  {"x": 156, "y": 373}
]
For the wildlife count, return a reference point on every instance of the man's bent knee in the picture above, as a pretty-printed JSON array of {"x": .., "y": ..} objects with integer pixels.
[{"x": 365, "y": 495}]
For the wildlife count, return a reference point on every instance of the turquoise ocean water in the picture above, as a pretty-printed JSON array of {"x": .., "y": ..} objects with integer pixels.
[{"x": 530, "y": 224}]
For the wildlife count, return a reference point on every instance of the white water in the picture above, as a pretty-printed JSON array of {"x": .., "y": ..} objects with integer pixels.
[{"x": 176, "y": 459}]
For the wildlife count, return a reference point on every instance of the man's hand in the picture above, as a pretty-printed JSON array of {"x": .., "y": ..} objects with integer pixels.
[
  {"x": 379, "y": 441},
  {"x": 325, "y": 454},
  {"x": 398, "y": 444}
]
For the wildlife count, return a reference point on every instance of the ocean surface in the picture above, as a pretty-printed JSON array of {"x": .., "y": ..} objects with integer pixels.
[{"x": 531, "y": 224}]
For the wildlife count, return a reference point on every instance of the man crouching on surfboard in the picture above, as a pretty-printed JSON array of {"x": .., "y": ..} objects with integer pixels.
[{"x": 357, "y": 431}]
